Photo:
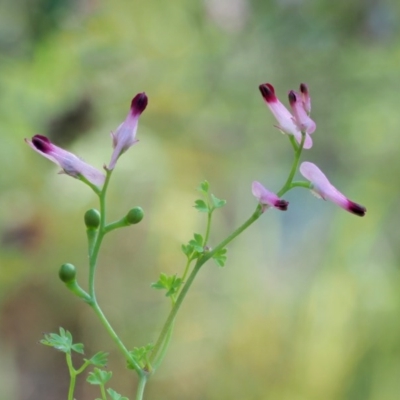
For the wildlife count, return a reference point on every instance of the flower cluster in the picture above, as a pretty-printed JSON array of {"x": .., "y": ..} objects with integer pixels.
[
  {"x": 296, "y": 123},
  {"x": 123, "y": 139},
  {"x": 299, "y": 125}
]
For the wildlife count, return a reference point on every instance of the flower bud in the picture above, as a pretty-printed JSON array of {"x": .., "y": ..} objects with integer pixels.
[
  {"x": 125, "y": 136},
  {"x": 70, "y": 163},
  {"x": 322, "y": 188},
  {"x": 134, "y": 216},
  {"x": 268, "y": 199},
  {"x": 67, "y": 273},
  {"x": 92, "y": 218}
]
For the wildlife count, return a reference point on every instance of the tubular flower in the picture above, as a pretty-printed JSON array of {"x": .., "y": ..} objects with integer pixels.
[
  {"x": 322, "y": 188},
  {"x": 301, "y": 118},
  {"x": 125, "y": 135},
  {"x": 305, "y": 97},
  {"x": 266, "y": 198},
  {"x": 287, "y": 123},
  {"x": 70, "y": 163}
]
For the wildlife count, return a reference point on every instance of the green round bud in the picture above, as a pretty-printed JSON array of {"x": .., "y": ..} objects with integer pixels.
[
  {"x": 67, "y": 273},
  {"x": 134, "y": 216},
  {"x": 92, "y": 218}
]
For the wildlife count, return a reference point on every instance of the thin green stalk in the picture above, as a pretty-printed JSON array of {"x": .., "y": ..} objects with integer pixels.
[
  {"x": 116, "y": 338},
  {"x": 206, "y": 237},
  {"x": 92, "y": 270},
  {"x": 171, "y": 317},
  {"x": 72, "y": 374},
  {"x": 295, "y": 165},
  {"x": 304, "y": 184},
  {"x": 293, "y": 142},
  {"x": 99, "y": 238},
  {"x": 186, "y": 270},
  {"x": 141, "y": 386},
  {"x": 164, "y": 348},
  {"x": 208, "y": 228},
  {"x": 103, "y": 392},
  {"x": 83, "y": 367},
  {"x": 257, "y": 213}
]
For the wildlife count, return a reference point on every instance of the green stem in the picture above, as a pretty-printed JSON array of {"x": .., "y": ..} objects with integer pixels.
[
  {"x": 96, "y": 247},
  {"x": 171, "y": 317},
  {"x": 141, "y": 386},
  {"x": 287, "y": 186},
  {"x": 103, "y": 392},
  {"x": 293, "y": 142},
  {"x": 116, "y": 338},
  {"x": 92, "y": 270},
  {"x": 189, "y": 260},
  {"x": 91, "y": 237},
  {"x": 83, "y": 367},
  {"x": 72, "y": 374},
  {"x": 164, "y": 348},
  {"x": 207, "y": 235},
  {"x": 304, "y": 184}
]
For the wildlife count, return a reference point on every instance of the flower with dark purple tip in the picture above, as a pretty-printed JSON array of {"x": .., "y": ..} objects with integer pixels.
[
  {"x": 305, "y": 97},
  {"x": 125, "y": 135},
  {"x": 286, "y": 122},
  {"x": 322, "y": 188},
  {"x": 266, "y": 198},
  {"x": 301, "y": 118},
  {"x": 70, "y": 163}
]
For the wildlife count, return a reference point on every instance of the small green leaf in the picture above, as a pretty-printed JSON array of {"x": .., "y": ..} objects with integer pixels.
[
  {"x": 157, "y": 285},
  {"x": 217, "y": 203},
  {"x": 99, "y": 359},
  {"x": 78, "y": 347},
  {"x": 61, "y": 342},
  {"x": 201, "y": 206},
  {"x": 220, "y": 257},
  {"x": 170, "y": 283},
  {"x": 140, "y": 354},
  {"x": 204, "y": 187},
  {"x": 174, "y": 285},
  {"x": 161, "y": 283},
  {"x": 220, "y": 261},
  {"x": 187, "y": 249},
  {"x": 196, "y": 247},
  {"x": 197, "y": 243},
  {"x": 99, "y": 377},
  {"x": 114, "y": 395}
]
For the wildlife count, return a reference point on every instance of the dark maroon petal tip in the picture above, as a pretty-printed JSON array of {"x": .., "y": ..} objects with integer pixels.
[
  {"x": 303, "y": 88},
  {"x": 268, "y": 92},
  {"x": 292, "y": 97},
  {"x": 282, "y": 205},
  {"x": 357, "y": 209},
  {"x": 42, "y": 143},
  {"x": 139, "y": 103}
]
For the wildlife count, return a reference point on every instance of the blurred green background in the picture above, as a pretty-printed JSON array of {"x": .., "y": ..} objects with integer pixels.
[{"x": 308, "y": 306}]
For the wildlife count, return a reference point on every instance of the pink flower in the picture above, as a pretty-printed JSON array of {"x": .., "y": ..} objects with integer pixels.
[
  {"x": 70, "y": 163},
  {"x": 325, "y": 190},
  {"x": 305, "y": 97},
  {"x": 266, "y": 198},
  {"x": 301, "y": 118},
  {"x": 125, "y": 136},
  {"x": 287, "y": 123}
]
